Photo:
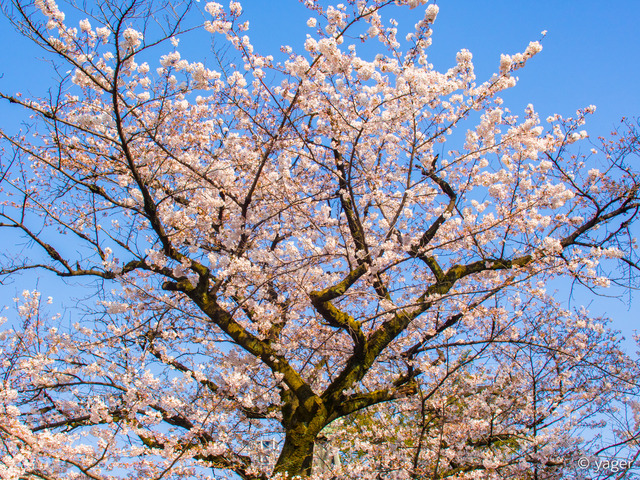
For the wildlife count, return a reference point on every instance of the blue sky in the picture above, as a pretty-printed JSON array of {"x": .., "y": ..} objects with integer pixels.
[
  {"x": 591, "y": 51},
  {"x": 591, "y": 55}
]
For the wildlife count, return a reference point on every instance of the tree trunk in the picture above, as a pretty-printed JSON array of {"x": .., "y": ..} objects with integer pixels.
[
  {"x": 302, "y": 422},
  {"x": 297, "y": 453}
]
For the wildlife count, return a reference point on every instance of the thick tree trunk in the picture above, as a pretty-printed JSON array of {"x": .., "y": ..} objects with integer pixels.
[
  {"x": 297, "y": 454},
  {"x": 302, "y": 422}
]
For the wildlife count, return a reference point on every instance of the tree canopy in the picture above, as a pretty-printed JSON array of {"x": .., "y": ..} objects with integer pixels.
[{"x": 332, "y": 247}]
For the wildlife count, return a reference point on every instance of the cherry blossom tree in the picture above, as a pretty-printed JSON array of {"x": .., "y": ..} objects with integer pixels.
[{"x": 285, "y": 250}]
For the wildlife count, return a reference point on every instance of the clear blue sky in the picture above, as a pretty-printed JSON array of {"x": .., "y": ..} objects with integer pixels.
[
  {"x": 591, "y": 56},
  {"x": 591, "y": 52}
]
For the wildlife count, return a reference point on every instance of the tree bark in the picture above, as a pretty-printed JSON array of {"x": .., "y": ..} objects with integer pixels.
[
  {"x": 296, "y": 457},
  {"x": 302, "y": 422}
]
